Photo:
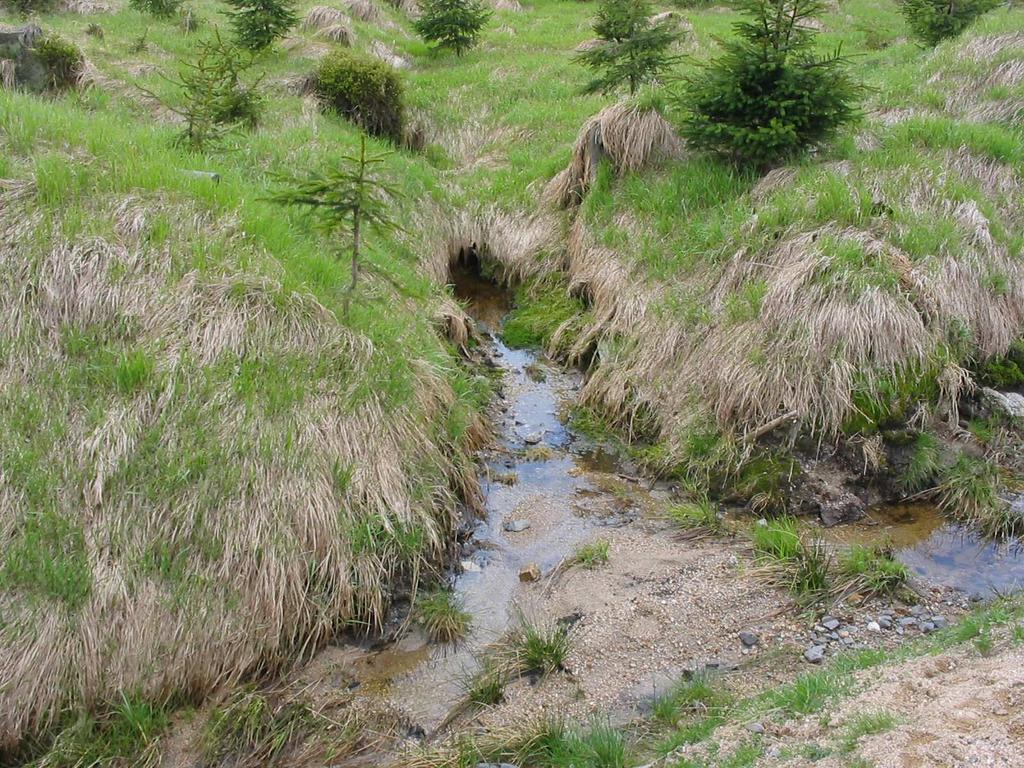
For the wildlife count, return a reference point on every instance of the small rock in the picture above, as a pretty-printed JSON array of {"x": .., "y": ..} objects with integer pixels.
[
  {"x": 755, "y": 727},
  {"x": 1007, "y": 403},
  {"x": 917, "y": 610},
  {"x": 908, "y": 621},
  {"x": 749, "y": 639},
  {"x": 874, "y": 626},
  {"x": 830, "y": 623},
  {"x": 496, "y": 765},
  {"x": 940, "y": 622},
  {"x": 815, "y": 654},
  {"x": 468, "y": 566},
  {"x": 534, "y": 437},
  {"x": 927, "y": 627},
  {"x": 885, "y": 622},
  {"x": 516, "y": 526},
  {"x": 530, "y": 572}
]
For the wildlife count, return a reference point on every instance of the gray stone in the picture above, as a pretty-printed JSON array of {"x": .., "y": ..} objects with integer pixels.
[
  {"x": 516, "y": 526},
  {"x": 940, "y": 622},
  {"x": 830, "y": 623},
  {"x": 908, "y": 621},
  {"x": 916, "y": 610},
  {"x": 1006, "y": 403},
  {"x": 755, "y": 727},
  {"x": 749, "y": 639},
  {"x": 885, "y": 622},
  {"x": 815, "y": 654},
  {"x": 496, "y": 765},
  {"x": 927, "y": 627},
  {"x": 534, "y": 437},
  {"x": 874, "y": 626}
]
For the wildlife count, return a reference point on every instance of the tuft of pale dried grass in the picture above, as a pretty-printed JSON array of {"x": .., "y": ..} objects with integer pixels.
[
  {"x": 298, "y": 531},
  {"x": 7, "y": 74},
  {"x": 388, "y": 56},
  {"x": 631, "y": 137},
  {"x": 338, "y": 33},
  {"x": 364, "y": 10},
  {"x": 322, "y": 16}
]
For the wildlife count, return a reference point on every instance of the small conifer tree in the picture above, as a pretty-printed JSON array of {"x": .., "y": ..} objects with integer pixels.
[
  {"x": 351, "y": 197},
  {"x": 258, "y": 23},
  {"x": 632, "y": 50},
  {"x": 452, "y": 24},
  {"x": 932, "y": 21},
  {"x": 769, "y": 96}
]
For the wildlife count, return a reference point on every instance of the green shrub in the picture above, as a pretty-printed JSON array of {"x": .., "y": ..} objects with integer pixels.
[
  {"x": 769, "y": 96},
  {"x": 164, "y": 9},
  {"x": 367, "y": 92},
  {"x": 1004, "y": 372},
  {"x": 932, "y": 21},
  {"x": 258, "y": 23},
  {"x": 28, "y": 7},
  {"x": 63, "y": 61},
  {"x": 452, "y": 24}
]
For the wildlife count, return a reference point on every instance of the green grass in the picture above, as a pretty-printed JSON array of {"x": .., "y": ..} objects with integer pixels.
[
  {"x": 701, "y": 697},
  {"x": 697, "y": 514},
  {"x": 592, "y": 554},
  {"x": 866, "y": 724},
  {"x": 776, "y": 540},
  {"x": 872, "y": 570},
  {"x": 441, "y": 614},
  {"x": 541, "y": 309},
  {"x": 123, "y": 735}
]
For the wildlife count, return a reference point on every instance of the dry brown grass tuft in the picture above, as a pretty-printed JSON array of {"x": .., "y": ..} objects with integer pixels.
[
  {"x": 338, "y": 33},
  {"x": 388, "y": 56},
  {"x": 322, "y": 16},
  {"x": 219, "y": 535},
  {"x": 630, "y": 137},
  {"x": 7, "y": 74},
  {"x": 364, "y": 10}
]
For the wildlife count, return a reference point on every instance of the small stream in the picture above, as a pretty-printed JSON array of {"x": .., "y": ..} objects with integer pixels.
[{"x": 568, "y": 489}]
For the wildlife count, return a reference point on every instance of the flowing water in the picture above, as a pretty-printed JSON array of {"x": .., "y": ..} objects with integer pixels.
[{"x": 567, "y": 488}]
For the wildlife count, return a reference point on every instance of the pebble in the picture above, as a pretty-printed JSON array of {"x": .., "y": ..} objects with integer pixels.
[
  {"x": 516, "y": 526},
  {"x": 755, "y": 727},
  {"x": 749, "y": 639},
  {"x": 908, "y": 621},
  {"x": 830, "y": 623},
  {"x": 815, "y": 654},
  {"x": 940, "y": 622},
  {"x": 874, "y": 626},
  {"x": 927, "y": 627},
  {"x": 885, "y": 622},
  {"x": 468, "y": 566},
  {"x": 534, "y": 437}
]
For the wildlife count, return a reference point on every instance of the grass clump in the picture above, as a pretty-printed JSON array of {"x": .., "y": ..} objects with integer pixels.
[
  {"x": 124, "y": 735},
  {"x": 63, "y": 61},
  {"x": 163, "y": 9},
  {"x": 365, "y": 91},
  {"x": 867, "y": 724},
  {"x": 533, "y": 648},
  {"x": 776, "y": 540},
  {"x": 592, "y": 555},
  {"x": 933, "y": 21},
  {"x": 441, "y": 614},
  {"x": 924, "y": 464},
  {"x": 699, "y": 696},
  {"x": 541, "y": 310},
  {"x": 872, "y": 570},
  {"x": 968, "y": 491},
  {"x": 697, "y": 515}
]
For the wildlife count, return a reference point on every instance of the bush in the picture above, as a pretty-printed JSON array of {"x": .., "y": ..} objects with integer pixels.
[
  {"x": 367, "y": 92},
  {"x": 162, "y": 8},
  {"x": 63, "y": 61},
  {"x": 258, "y": 23},
  {"x": 28, "y": 7},
  {"x": 768, "y": 97},
  {"x": 452, "y": 24},
  {"x": 932, "y": 21}
]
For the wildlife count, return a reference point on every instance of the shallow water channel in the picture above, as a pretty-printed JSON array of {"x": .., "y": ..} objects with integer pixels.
[{"x": 567, "y": 489}]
